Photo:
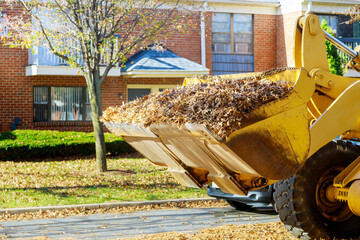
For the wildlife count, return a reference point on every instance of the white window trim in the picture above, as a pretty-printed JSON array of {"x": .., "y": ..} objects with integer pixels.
[
  {"x": 249, "y": 7},
  {"x": 36, "y": 70},
  {"x": 3, "y": 23},
  {"x": 232, "y": 35},
  {"x": 154, "y": 88},
  {"x": 319, "y": 6},
  {"x": 162, "y": 74}
]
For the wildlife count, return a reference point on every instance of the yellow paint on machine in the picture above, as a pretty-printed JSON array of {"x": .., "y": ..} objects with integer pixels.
[{"x": 276, "y": 140}]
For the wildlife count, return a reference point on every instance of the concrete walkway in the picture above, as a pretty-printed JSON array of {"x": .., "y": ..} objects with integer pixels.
[{"x": 110, "y": 226}]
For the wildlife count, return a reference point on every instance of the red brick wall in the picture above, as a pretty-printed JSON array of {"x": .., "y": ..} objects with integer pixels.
[
  {"x": 112, "y": 86},
  {"x": 264, "y": 42},
  {"x": 285, "y": 39},
  {"x": 281, "y": 60},
  {"x": 16, "y": 89},
  {"x": 189, "y": 45},
  {"x": 16, "y": 96}
]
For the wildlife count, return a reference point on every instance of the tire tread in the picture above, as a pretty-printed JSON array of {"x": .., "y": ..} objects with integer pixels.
[{"x": 289, "y": 194}]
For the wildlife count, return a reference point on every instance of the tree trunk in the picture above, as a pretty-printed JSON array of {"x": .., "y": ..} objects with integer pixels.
[{"x": 94, "y": 90}]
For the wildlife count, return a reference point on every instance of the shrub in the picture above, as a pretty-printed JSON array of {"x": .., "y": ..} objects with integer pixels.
[
  {"x": 27, "y": 144},
  {"x": 333, "y": 57}
]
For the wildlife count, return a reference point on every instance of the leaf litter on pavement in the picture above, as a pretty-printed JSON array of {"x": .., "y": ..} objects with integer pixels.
[
  {"x": 268, "y": 231},
  {"x": 121, "y": 210}
]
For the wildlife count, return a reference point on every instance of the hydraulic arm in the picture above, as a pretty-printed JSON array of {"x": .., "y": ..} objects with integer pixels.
[{"x": 278, "y": 138}]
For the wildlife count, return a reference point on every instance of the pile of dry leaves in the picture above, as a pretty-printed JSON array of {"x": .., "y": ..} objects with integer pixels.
[{"x": 220, "y": 104}]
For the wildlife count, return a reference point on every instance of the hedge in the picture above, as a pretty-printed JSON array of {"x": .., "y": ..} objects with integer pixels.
[{"x": 36, "y": 144}]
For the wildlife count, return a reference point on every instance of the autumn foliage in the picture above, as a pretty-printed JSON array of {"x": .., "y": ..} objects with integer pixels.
[
  {"x": 95, "y": 36},
  {"x": 220, "y": 103}
]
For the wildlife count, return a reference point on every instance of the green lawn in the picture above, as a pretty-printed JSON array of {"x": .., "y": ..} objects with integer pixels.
[{"x": 28, "y": 184}]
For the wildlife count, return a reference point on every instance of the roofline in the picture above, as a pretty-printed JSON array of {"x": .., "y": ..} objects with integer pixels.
[
  {"x": 154, "y": 74},
  {"x": 37, "y": 70},
  {"x": 248, "y": 2}
]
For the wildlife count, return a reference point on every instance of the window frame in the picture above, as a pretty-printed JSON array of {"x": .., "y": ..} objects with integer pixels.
[
  {"x": 154, "y": 88},
  {"x": 3, "y": 24},
  {"x": 232, "y": 35},
  {"x": 83, "y": 100},
  {"x": 337, "y": 26}
]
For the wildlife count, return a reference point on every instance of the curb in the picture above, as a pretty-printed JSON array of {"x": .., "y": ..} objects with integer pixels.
[{"x": 102, "y": 205}]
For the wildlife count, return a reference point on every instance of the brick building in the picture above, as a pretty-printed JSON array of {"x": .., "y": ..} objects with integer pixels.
[{"x": 38, "y": 90}]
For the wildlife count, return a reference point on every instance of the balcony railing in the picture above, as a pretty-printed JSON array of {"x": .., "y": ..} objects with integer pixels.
[
  {"x": 42, "y": 56},
  {"x": 352, "y": 43}
]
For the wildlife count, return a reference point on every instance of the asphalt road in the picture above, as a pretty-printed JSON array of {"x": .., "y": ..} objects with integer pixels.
[{"x": 109, "y": 226}]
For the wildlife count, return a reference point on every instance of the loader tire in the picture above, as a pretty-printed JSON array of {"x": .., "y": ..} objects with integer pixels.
[{"x": 300, "y": 201}]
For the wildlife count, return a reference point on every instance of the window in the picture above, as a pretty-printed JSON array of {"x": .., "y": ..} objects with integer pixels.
[
  {"x": 232, "y": 43},
  {"x": 349, "y": 34},
  {"x": 87, "y": 106},
  {"x": 232, "y": 33},
  {"x": 338, "y": 23},
  {"x": 61, "y": 104},
  {"x": 3, "y": 24},
  {"x": 136, "y": 91},
  {"x": 41, "y": 105}
]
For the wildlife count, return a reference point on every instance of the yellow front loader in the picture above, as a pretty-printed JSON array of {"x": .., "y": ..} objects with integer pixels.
[{"x": 289, "y": 142}]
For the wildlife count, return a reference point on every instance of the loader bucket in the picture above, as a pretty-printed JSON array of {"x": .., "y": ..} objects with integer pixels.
[{"x": 272, "y": 144}]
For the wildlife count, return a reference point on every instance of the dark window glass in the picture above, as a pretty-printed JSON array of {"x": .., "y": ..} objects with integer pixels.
[
  {"x": 41, "y": 104},
  {"x": 344, "y": 30},
  {"x": 88, "y": 107},
  {"x": 60, "y": 104},
  {"x": 134, "y": 93},
  {"x": 66, "y": 103},
  {"x": 338, "y": 23}
]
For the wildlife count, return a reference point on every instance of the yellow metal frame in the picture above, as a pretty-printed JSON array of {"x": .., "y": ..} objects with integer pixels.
[
  {"x": 342, "y": 117},
  {"x": 275, "y": 140},
  {"x": 343, "y": 114}
]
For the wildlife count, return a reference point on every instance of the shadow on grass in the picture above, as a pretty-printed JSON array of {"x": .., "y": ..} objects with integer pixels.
[
  {"x": 127, "y": 185},
  {"x": 134, "y": 155},
  {"x": 119, "y": 172},
  {"x": 130, "y": 172},
  {"x": 112, "y": 172},
  {"x": 54, "y": 190},
  {"x": 7, "y": 136}
]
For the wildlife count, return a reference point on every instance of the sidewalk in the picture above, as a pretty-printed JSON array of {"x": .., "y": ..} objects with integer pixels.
[
  {"x": 102, "y": 205},
  {"x": 115, "y": 225}
]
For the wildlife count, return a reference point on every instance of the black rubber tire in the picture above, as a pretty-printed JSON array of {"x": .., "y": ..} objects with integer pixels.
[
  {"x": 295, "y": 197},
  {"x": 238, "y": 205}
]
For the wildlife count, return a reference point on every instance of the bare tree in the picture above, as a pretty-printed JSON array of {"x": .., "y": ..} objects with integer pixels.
[{"x": 89, "y": 34}]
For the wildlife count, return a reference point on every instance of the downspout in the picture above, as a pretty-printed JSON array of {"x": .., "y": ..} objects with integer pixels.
[
  {"x": 203, "y": 42},
  {"x": 309, "y": 9}
]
